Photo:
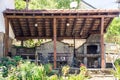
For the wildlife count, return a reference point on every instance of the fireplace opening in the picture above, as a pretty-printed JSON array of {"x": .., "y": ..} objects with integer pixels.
[{"x": 92, "y": 49}]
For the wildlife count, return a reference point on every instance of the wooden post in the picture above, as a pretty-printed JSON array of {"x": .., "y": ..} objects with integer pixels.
[
  {"x": 102, "y": 44},
  {"x": 6, "y": 36},
  {"x": 22, "y": 43},
  {"x": 74, "y": 46},
  {"x": 55, "y": 36}
]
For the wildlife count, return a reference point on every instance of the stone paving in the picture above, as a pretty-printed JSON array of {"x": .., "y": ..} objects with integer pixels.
[{"x": 103, "y": 77}]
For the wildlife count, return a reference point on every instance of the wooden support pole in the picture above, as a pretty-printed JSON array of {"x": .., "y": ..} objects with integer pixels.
[
  {"x": 74, "y": 46},
  {"x": 102, "y": 44},
  {"x": 54, "y": 36},
  {"x": 6, "y": 36},
  {"x": 22, "y": 43}
]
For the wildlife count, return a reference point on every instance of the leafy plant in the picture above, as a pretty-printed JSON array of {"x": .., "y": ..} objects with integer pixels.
[
  {"x": 26, "y": 70},
  {"x": 116, "y": 72},
  {"x": 117, "y": 61},
  {"x": 114, "y": 31},
  {"x": 53, "y": 77},
  {"x": 7, "y": 63}
]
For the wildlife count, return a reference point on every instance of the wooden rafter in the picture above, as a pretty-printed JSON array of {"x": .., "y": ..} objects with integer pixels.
[
  {"x": 18, "y": 22},
  {"x": 65, "y": 30},
  {"x": 59, "y": 26},
  {"x": 11, "y": 23},
  {"x": 51, "y": 28},
  {"x": 73, "y": 26},
  {"x": 44, "y": 29},
  {"x": 62, "y": 27},
  {"x": 91, "y": 26},
  {"x": 82, "y": 26},
  {"x": 108, "y": 24},
  {"x": 28, "y": 26}
]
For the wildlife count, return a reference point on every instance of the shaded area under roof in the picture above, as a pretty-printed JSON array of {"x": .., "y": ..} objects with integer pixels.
[{"x": 69, "y": 23}]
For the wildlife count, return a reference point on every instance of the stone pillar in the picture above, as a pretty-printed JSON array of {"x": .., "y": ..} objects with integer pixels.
[
  {"x": 85, "y": 61},
  {"x": 85, "y": 53}
]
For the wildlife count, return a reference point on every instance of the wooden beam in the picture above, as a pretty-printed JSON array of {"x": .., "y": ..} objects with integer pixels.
[
  {"x": 62, "y": 27},
  {"x": 44, "y": 28},
  {"x": 6, "y": 36},
  {"x": 109, "y": 22},
  {"x": 82, "y": 26},
  {"x": 73, "y": 26},
  {"x": 50, "y": 37},
  {"x": 12, "y": 26},
  {"x": 28, "y": 26},
  {"x": 91, "y": 26},
  {"x": 99, "y": 24},
  {"x": 65, "y": 30},
  {"x": 21, "y": 28},
  {"x": 55, "y": 36},
  {"x": 102, "y": 43},
  {"x": 51, "y": 30},
  {"x": 82, "y": 16},
  {"x": 59, "y": 26}
]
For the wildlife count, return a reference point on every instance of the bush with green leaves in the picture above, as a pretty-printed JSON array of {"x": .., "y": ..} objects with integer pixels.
[
  {"x": 7, "y": 62},
  {"x": 116, "y": 72},
  {"x": 26, "y": 70},
  {"x": 117, "y": 61}
]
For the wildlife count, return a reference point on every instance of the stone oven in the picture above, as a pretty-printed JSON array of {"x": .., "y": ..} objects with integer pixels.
[{"x": 89, "y": 52}]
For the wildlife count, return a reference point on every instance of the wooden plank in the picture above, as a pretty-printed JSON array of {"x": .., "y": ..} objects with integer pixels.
[
  {"x": 108, "y": 24},
  {"x": 65, "y": 30},
  {"x": 49, "y": 37},
  {"x": 83, "y": 16},
  {"x": 82, "y": 26},
  {"x": 44, "y": 28},
  {"x": 54, "y": 36},
  {"x": 12, "y": 26},
  {"x": 73, "y": 26},
  {"x": 21, "y": 28},
  {"x": 59, "y": 26},
  {"x": 6, "y": 36},
  {"x": 28, "y": 26},
  {"x": 91, "y": 26},
  {"x": 102, "y": 43}
]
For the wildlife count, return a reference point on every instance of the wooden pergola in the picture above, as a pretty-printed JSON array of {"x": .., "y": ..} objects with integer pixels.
[{"x": 57, "y": 25}]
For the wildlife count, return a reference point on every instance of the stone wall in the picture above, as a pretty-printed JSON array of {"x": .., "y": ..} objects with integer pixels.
[
  {"x": 93, "y": 38},
  {"x": 61, "y": 48},
  {"x": 1, "y": 44}
]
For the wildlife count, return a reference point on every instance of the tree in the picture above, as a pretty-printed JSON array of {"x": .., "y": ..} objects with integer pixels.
[
  {"x": 20, "y": 4},
  {"x": 113, "y": 33},
  {"x": 45, "y": 4}
]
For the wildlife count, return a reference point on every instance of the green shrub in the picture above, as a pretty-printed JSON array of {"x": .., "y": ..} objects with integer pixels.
[
  {"x": 116, "y": 72},
  {"x": 26, "y": 70},
  {"x": 117, "y": 62}
]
